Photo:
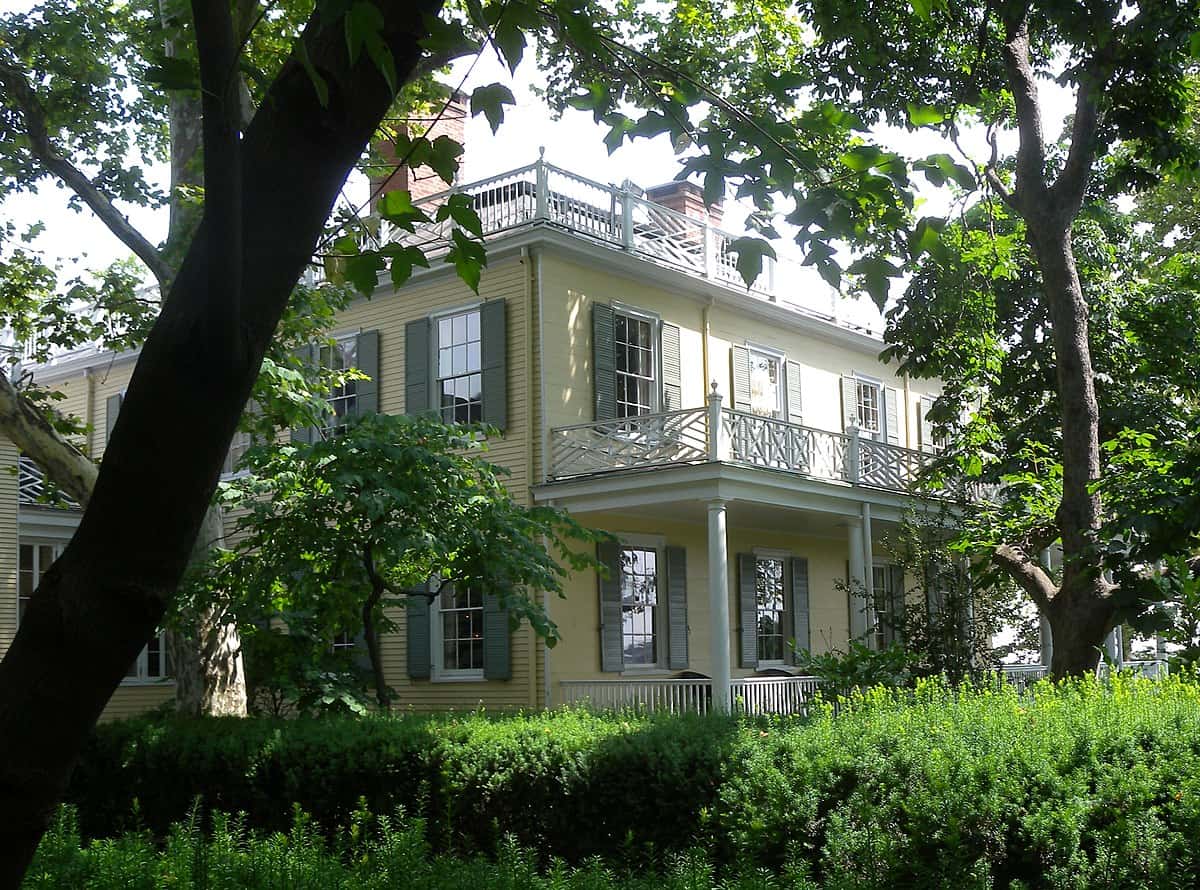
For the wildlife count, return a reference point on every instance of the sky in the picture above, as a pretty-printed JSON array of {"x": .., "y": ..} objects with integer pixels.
[{"x": 573, "y": 142}]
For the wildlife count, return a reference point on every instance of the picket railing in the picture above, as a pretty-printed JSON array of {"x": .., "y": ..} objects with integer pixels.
[{"x": 751, "y": 695}]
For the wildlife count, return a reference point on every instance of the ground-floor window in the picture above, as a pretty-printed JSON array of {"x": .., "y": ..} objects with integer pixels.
[
  {"x": 639, "y": 605},
  {"x": 153, "y": 662},
  {"x": 879, "y": 616},
  {"x": 34, "y": 559},
  {"x": 769, "y": 607},
  {"x": 460, "y": 619}
]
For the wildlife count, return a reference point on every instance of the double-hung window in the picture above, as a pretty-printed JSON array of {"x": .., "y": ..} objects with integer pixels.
[
  {"x": 459, "y": 620},
  {"x": 639, "y": 606},
  {"x": 340, "y": 355},
  {"x": 769, "y": 608},
  {"x": 634, "y": 339},
  {"x": 868, "y": 407},
  {"x": 459, "y": 367},
  {"x": 153, "y": 662},
  {"x": 766, "y": 383},
  {"x": 34, "y": 560}
]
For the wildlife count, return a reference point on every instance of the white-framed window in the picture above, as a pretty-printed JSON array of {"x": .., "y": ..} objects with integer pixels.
[
  {"x": 639, "y": 606},
  {"x": 459, "y": 361},
  {"x": 238, "y": 446},
  {"x": 635, "y": 341},
  {"x": 458, "y": 633},
  {"x": 34, "y": 558},
  {"x": 339, "y": 355},
  {"x": 868, "y": 397},
  {"x": 770, "y": 608},
  {"x": 152, "y": 663},
  {"x": 343, "y": 642},
  {"x": 766, "y": 382}
]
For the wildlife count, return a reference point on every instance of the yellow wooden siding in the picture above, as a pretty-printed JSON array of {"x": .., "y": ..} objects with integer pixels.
[
  {"x": 578, "y": 616},
  {"x": 8, "y": 543},
  {"x": 136, "y": 698}
]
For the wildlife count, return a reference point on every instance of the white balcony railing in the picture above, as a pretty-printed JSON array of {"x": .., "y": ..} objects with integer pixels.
[
  {"x": 617, "y": 216},
  {"x": 697, "y": 435},
  {"x": 751, "y": 695},
  {"x": 32, "y": 487}
]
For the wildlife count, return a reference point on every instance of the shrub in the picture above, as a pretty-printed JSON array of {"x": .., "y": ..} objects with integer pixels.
[{"x": 1080, "y": 785}]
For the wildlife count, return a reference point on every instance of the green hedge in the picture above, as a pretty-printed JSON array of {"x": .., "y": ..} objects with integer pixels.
[{"x": 1084, "y": 785}]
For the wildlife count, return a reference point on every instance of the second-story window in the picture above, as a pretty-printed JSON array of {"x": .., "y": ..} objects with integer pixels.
[
  {"x": 765, "y": 384},
  {"x": 868, "y": 407},
  {"x": 343, "y": 400},
  {"x": 634, "y": 339},
  {"x": 460, "y": 367}
]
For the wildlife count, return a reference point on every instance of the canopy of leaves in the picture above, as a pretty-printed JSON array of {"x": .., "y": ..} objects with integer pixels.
[{"x": 404, "y": 498}]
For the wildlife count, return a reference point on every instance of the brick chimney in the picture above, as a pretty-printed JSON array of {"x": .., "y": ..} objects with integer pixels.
[
  {"x": 421, "y": 182},
  {"x": 686, "y": 198}
]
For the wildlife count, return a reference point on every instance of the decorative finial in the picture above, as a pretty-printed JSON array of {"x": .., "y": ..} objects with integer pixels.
[
  {"x": 541, "y": 152},
  {"x": 714, "y": 386}
]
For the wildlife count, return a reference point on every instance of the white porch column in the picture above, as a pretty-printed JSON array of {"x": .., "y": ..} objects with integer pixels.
[
  {"x": 858, "y": 584},
  {"x": 718, "y": 606},
  {"x": 1114, "y": 647}
]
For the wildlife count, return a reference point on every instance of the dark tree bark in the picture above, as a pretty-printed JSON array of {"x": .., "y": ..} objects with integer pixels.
[
  {"x": 100, "y": 603},
  {"x": 1079, "y": 608},
  {"x": 371, "y": 632}
]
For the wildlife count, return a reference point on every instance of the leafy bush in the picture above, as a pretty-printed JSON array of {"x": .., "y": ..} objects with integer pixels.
[
  {"x": 1086, "y": 784},
  {"x": 861, "y": 667}
]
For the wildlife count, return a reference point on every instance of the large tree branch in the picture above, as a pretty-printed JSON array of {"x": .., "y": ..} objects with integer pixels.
[
  {"x": 1027, "y": 573},
  {"x": 34, "y": 117},
  {"x": 28, "y": 429},
  {"x": 1031, "y": 151},
  {"x": 1068, "y": 190}
]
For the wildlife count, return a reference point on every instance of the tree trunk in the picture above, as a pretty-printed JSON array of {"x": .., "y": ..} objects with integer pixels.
[
  {"x": 210, "y": 679},
  {"x": 371, "y": 635},
  {"x": 1081, "y": 611},
  {"x": 99, "y": 604}
]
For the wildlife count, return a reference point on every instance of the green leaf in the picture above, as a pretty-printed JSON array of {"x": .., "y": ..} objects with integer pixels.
[
  {"x": 510, "y": 40},
  {"x": 923, "y": 9},
  {"x": 750, "y": 253},
  {"x": 397, "y": 208},
  {"x": 619, "y": 125},
  {"x": 403, "y": 260},
  {"x": 363, "y": 22},
  {"x": 173, "y": 73},
  {"x": 924, "y": 115},
  {"x": 490, "y": 100},
  {"x": 363, "y": 270},
  {"x": 926, "y": 235},
  {"x": 461, "y": 209},
  {"x": 444, "y": 153},
  {"x": 469, "y": 258}
]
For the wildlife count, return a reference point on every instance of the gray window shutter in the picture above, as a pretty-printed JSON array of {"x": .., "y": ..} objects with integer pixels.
[
  {"x": 418, "y": 391},
  {"x": 798, "y": 576},
  {"x": 795, "y": 406},
  {"x": 367, "y": 360},
  {"x": 671, "y": 369},
  {"x": 739, "y": 357},
  {"x": 112, "y": 408},
  {"x": 677, "y": 642},
  {"x": 925, "y": 434},
  {"x": 896, "y": 603},
  {"x": 307, "y": 355},
  {"x": 416, "y": 627},
  {"x": 611, "y": 657},
  {"x": 497, "y": 640},
  {"x": 891, "y": 416},
  {"x": 493, "y": 333},
  {"x": 748, "y": 610},
  {"x": 604, "y": 361},
  {"x": 849, "y": 403}
]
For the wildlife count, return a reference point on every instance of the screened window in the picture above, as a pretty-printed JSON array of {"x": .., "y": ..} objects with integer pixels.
[
  {"x": 459, "y": 367},
  {"x": 460, "y": 615},
  {"x": 769, "y": 607},
  {"x": 633, "y": 341},
  {"x": 881, "y": 612},
  {"x": 340, "y": 355},
  {"x": 639, "y": 605},
  {"x": 868, "y": 407},
  {"x": 766, "y": 388}
]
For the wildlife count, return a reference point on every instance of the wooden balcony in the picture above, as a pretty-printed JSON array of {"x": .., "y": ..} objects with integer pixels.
[
  {"x": 713, "y": 433},
  {"x": 33, "y": 489}
]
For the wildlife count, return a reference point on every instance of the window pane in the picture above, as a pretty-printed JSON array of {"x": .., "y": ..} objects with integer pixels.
[
  {"x": 444, "y": 328},
  {"x": 445, "y": 362},
  {"x": 473, "y": 358},
  {"x": 473, "y": 325},
  {"x": 460, "y": 328},
  {"x": 26, "y": 557}
]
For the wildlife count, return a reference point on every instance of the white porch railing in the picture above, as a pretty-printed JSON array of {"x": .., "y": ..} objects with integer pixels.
[
  {"x": 751, "y": 695},
  {"x": 32, "y": 487},
  {"x": 1024, "y": 675},
  {"x": 696, "y": 435}
]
